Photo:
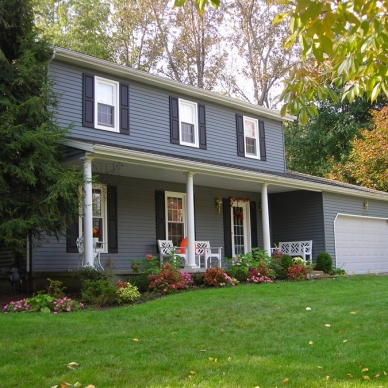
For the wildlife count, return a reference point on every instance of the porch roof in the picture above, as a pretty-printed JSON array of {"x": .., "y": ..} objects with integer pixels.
[{"x": 210, "y": 171}]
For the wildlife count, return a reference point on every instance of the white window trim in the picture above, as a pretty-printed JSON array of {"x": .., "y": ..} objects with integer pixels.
[
  {"x": 256, "y": 124},
  {"x": 177, "y": 195},
  {"x": 116, "y": 117},
  {"x": 196, "y": 132}
]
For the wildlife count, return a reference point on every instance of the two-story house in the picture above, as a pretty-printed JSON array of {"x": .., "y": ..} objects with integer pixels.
[{"x": 171, "y": 161}]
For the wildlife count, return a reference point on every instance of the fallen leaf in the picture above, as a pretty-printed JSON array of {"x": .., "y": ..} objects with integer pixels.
[
  {"x": 327, "y": 325},
  {"x": 385, "y": 373},
  {"x": 72, "y": 365},
  {"x": 215, "y": 360},
  {"x": 136, "y": 340},
  {"x": 63, "y": 384},
  {"x": 308, "y": 308},
  {"x": 285, "y": 381},
  {"x": 77, "y": 385},
  {"x": 54, "y": 386},
  {"x": 327, "y": 377},
  {"x": 319, "y": 367},
  {"x": 229, "y": 358},
  {"x": 345, "y": 341},
  {"x": 311, "y": 342},
  {"x": 366, "y": 377},
  {"x": 353, "y": 312},
  {"x": 211, "y": 358},
  {"x": 203, "y": 350},
  {"x": 378, "y": 375},
  {"x": 364, "y": 370},
  {"x": 339, "y": 331},
  {"x": 90, "y": 386},
  {"x": 350, "y": 375},
  {"x": 192, "y": 372}
]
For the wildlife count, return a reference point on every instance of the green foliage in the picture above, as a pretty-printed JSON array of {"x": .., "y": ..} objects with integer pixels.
[
  {"x": 99, "y": 293},
  {"x": 324, "y": 263},
  {"x": 325, "y": 139},
  {"x": 237, "y": 272},
  {"x": 141, "y": 281},
  {"x": 338, "y": 271},
  {"x": 250, "y": 259},
  {"x": 55, "y": 288},
  {"x": 127, "y": 292},
  {"x": 38, "y": 195},
  {"x": 41, "y": 302},
  {"x": 90, "y": 273},
  {"x": 297, "y": 261},
  {"x": 197, "y": 279}
]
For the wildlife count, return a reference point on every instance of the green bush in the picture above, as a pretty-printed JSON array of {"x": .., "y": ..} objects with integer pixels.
[
  {"x": 127, "y": 293},
  {"x": 280, "y": 264},
  {"x": 99, "y": 293},
  {"x": 89, "y": 273},
  {"x": 141, "y": 282},
  {"x": 286, "y": 261},
  {"x": 239, "y": 273},
  {"x": 324, "y": 263},
  {"x": 197, "y": 279}
]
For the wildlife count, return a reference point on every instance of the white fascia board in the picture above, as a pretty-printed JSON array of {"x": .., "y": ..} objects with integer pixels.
[
  {"x": 79, "y": 145},
  {"x": 163, "y": 161},
  {"x": 165, "y": 83}
]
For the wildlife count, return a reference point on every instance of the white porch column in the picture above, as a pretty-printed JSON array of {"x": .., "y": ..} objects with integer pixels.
[
  {"x": 265, "y": 218},
  {"x": 190, "y": 220},
  {"x": 88, "y": 214}
]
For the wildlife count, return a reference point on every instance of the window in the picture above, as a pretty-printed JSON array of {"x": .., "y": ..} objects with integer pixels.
[
  {"x": 188, "y": 123},
  {"x": 251, "y": 141},
  {"x": 251, "y": 137},
  {"x": 99, "y": 206},
  {"x": 106, "y": 104},
  {"x": 175, "y": 217}
]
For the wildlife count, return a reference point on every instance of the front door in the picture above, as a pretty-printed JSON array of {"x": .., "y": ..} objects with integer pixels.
[{"x": 241, "y": 232}]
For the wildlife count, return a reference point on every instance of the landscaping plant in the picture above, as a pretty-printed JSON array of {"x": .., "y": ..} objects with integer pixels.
[
  {"x": 297, "y": 273},
  {"x": 127, "y": 293},
  {"x": 217, "y": 277},
  {"x": 99, "y": 293},
  {"x": 324, "y": 263}
]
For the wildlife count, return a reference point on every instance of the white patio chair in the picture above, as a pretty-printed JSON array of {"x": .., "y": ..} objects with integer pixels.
[
  {"x": 166, "y": 247},
  {"x": 206, "y": 254},
  {"x": 81, "y": 250}
]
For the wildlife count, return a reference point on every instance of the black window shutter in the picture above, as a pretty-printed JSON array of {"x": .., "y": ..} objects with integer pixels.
[
  {"x": 240, "y": 135},
  {"x": 160, "y": 216},
  {"x": 71, "y": 239},
  {"x": 124, "y": 109},
  {"x": 227, "y": 227},
  {"x": 202, "y": 127},
  {"x": 263, "y": 153},
  {"x": 174, "y": 120},
  {"x": 112, "y": 219},
  {"x": 88, "y": 101},
  {"x": 253, "y": 217}
]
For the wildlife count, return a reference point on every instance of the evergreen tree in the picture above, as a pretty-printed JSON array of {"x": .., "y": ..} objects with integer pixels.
[{"x": 38, "y": 195}]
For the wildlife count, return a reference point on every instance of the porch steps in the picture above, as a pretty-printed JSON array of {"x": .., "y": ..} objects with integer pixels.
[{"x": 315, "y": 275}]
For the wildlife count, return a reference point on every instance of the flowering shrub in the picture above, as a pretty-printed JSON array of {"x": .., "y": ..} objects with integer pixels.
[
  {"x": 127, "y": 292},
  {"x": 297, "y": 261},
  {"x": 297, "y": 272},
  {"x": 255, "y": 276},
  {"x": 65, "y": 305},
  {"x": 20, "y": 306},
  {"x": 217, "y": 277},
  {"x": 169, "y": 280}
]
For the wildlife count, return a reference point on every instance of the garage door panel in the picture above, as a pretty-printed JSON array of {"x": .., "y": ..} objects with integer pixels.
[{"x": 361, "y": 244}]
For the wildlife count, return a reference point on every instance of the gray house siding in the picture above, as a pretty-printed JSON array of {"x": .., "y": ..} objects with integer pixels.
[
  {"x": 137, "y": 224},
  {"x": 298, "y": 216},
  {"x": 150, "y": 123},
  {"x": 336, "y": 203}
]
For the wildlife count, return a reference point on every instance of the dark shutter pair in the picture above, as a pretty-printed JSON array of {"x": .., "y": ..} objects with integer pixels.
[
  {"x": 88, "y": 104},
  {"x": 228, "y": 226},
  {"x": 174, "y": 123},
  {"x": 112, "y": 233},
  {"x": 240, "y": 138}
]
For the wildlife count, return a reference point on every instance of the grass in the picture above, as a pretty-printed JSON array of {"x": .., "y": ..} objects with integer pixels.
[{"x": 247, "y": 336}]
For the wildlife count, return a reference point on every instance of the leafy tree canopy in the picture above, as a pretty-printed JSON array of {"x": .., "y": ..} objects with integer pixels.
[
  {"x": 368, "y": 162},
  {"x": 325, "y": 140},
  {"x": 38, "y": 195},
  {"x": 343, "y": 42}
]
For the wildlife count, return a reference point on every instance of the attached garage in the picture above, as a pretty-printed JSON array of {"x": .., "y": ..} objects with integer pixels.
[{"x": 361, "y": 243}]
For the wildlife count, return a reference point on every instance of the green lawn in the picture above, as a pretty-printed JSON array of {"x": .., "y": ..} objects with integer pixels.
[{"x": 246, "y": 336}]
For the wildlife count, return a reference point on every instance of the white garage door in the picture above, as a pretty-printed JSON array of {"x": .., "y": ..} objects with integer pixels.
[{"x": 361, "y": 244}]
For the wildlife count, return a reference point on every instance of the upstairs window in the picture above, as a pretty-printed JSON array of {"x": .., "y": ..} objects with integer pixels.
[
  {"x": 188, "y": 122},
  {"x": 105, "y": 104},
  {"x": 251, "y": 138}
]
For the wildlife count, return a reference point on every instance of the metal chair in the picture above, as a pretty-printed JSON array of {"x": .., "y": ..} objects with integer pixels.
[
  {"x": 167, "y": 249},
  {"x": 207, "y": 253}
]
